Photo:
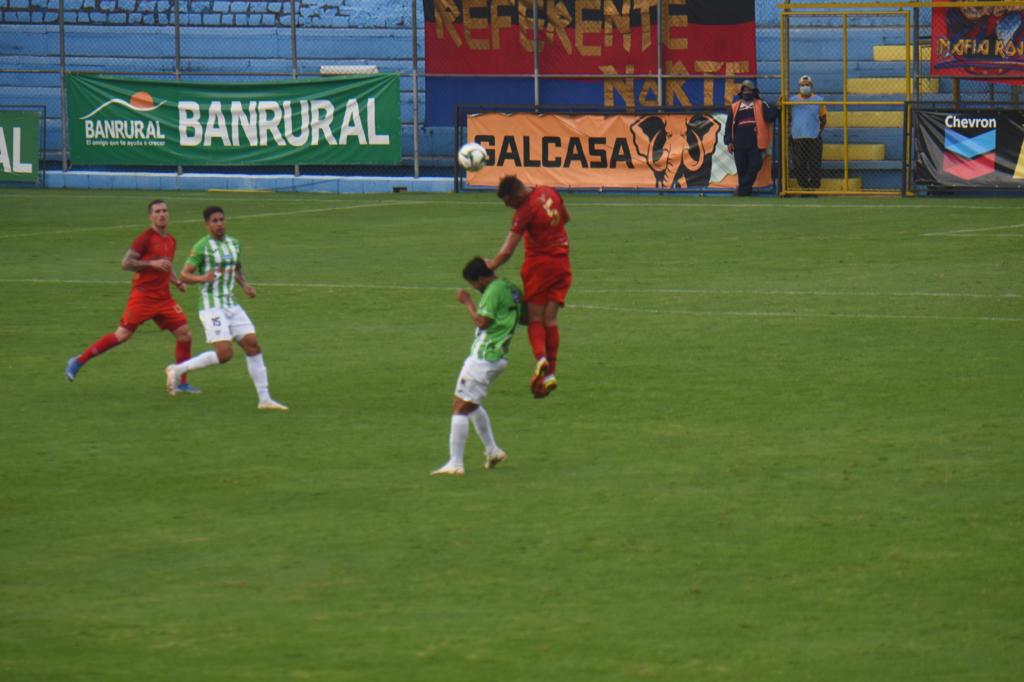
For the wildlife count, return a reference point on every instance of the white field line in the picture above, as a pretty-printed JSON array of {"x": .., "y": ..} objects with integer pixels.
[
  {"x": 636, "y": 310},
  {"x": 141, "y": 224},
  {"x": 745, "y": 313},
  {"x": 972, "y": 231},
  {"x": 667, "y": 201},
  {"x": 705, "y": 292},
  {"x": 782, "y": 292}
]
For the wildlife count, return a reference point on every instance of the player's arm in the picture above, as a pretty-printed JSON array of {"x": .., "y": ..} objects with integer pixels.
[
  {"x": 188, "y": 274},
  {"x": 134, "y": 262},
  {"x": 506, "y": 250},
  {"x": 243, "y": 282},
  {"x": 463, "y": 297}
]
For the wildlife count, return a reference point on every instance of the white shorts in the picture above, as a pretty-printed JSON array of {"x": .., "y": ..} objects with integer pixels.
[
  {"x": 476, "y": 376},
  {"x": 226, "y": 324}
]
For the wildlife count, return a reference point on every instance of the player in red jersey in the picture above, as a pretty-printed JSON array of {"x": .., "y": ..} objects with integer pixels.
[
  {"x": 540, "y": 217},
  {"x": 151, "y": 258}
]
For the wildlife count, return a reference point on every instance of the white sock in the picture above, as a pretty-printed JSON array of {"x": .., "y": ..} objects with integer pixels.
[
  {"x": 457, "y": 438},
  {"x": 482, "y": 424},
  {"x": 201, "y": 361},
  {"x": 258, "y": 372}
]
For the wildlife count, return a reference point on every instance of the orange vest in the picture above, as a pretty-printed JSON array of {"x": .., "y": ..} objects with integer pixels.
[{"x": 762, "y": 129}]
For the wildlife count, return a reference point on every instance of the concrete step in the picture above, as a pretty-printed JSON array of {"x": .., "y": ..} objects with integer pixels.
[
  {"x": 851, "y": 184},
  {"x": 866, "y": 119},
  {"x": 888, "y": 86},
  {"x": 898, "y": 53},
  {"x": 857, "y": 152}
]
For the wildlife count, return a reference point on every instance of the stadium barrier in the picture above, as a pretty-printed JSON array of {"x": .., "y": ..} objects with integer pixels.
[{"x": 860, "y": 54}]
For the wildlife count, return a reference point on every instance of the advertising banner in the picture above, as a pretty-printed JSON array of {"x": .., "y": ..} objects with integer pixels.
[
  {"x": 656, "y": 151},
  {"x": 19, "y": 146},
  {"x": 327, "y": 121},
  {"x": 974, "y": 42},
  {"x": 979, "y": 148},
  {"x": 493, "y": 40}
]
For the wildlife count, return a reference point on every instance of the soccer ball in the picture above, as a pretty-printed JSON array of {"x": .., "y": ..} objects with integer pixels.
[{"x": 472, "y": 156}]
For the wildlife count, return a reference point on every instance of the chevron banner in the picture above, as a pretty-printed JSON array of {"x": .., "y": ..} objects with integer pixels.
[{"x": 970, "y": 148}]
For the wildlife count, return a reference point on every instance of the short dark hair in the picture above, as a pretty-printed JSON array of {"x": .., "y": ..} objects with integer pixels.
[
  {"x": 149, "y": 209},
  {"x": 210, "y": 210},
  {"x": 510, "y": 185},
  {"x": 476, "y": 269}
]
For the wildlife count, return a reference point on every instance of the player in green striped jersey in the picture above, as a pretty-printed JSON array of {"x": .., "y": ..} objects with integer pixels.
[
  {"x": 215, "y": 264},
  {"x": 496, "y": 318}
]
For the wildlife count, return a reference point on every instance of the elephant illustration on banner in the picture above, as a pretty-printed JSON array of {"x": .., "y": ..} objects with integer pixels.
[{"x": 678, "y": 149}]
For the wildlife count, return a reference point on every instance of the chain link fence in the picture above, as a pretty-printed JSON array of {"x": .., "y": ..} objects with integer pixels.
[
  {"x": 866, "y": 61},
  {"x": 202, "y": 41}
]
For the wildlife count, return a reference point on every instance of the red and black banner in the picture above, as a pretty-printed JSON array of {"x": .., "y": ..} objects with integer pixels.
[
  {"x": 705, "y": 44},
  {"x": 970, "y": 148},
  {"x": 979, "y": 42},
  {"x": 590, "y": 37}
]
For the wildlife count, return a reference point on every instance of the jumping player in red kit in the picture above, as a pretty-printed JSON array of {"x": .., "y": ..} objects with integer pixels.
[
  {"x": 151, "y": 258},
  {"x": 540, "y": 217}
]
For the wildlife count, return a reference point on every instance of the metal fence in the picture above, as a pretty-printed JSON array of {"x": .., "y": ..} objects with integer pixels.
[{"x": 867, "y": 59}]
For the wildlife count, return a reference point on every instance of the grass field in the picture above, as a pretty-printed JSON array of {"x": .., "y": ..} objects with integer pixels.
[{"x": 786, "y": 446}]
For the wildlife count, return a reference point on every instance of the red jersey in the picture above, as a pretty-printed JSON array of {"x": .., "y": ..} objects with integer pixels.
[
  {"x": 151, "y": 282},
  {"x": 541, "y": 219}
]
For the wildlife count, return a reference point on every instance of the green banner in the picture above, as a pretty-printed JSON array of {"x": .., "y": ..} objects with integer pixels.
[
  {"x": 19, "y": 146},
  {"x": 350, "y": 120}
]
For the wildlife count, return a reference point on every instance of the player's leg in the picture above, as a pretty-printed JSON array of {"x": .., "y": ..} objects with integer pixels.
[
  {"x": 244, "y": 332},
  {"x": 470, "y": 391},
  {"x": 554, "y": 339},
  {"x": 130, "y": 320},
  {"x": 217, "y": 334},
  {"x": 258, "y": 372},
  {"x": 532, "y": 275}
]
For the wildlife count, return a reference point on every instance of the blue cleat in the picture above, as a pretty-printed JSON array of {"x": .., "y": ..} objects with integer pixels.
[
  {"x": 71, "y": 369},
  {"x": 189, "y": 388}
]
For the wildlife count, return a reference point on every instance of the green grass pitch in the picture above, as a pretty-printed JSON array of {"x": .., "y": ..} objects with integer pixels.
[{"x": 786, "y": 446}]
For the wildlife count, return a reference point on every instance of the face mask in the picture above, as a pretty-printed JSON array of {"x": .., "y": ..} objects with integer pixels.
[
  {"x": 805, "y": 90},
  {"x": 747, "y": 95}
]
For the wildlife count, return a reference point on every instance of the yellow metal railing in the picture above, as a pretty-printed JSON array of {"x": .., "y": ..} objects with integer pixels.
[{"x": 848, "y": 184}]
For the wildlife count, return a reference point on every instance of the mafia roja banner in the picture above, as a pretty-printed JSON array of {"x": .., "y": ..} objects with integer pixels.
[
  {"x": 657, "y": 151},
  {"x": 326, "y": 121},
  {"x": 979, "y": 42}
]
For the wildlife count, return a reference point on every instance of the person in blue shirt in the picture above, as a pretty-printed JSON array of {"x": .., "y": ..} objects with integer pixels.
[{"x": 807, "y": 123}]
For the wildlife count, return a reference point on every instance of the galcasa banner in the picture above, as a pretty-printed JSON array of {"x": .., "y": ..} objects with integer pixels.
[
  {"x": 635, "y": 151},
  {"x": 970, "y": 148},
  {"x": 350, "y": 120}
]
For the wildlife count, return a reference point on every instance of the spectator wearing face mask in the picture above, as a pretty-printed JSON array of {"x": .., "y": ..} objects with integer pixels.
[
  {"x": 807, "y": 123},
  {"x": 748, "y": 134}
]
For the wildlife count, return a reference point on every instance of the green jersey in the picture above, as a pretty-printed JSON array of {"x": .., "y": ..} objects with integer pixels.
[
  {"x": 500, "y": 301},
  {"x": 222, "y": 257}
]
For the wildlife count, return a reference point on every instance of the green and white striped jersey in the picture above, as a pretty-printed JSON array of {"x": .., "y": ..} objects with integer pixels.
[{"x": 222, "y": 257}]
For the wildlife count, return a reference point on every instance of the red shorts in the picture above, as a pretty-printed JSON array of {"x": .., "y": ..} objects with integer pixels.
[
  {"x": 546, "y": 278},
  {"x": 165, "y": 312}
]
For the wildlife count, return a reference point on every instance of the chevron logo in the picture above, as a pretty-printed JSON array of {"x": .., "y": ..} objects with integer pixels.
[
  {"x": 969, "y": 158},
  {"x": 970, "y": 147}
]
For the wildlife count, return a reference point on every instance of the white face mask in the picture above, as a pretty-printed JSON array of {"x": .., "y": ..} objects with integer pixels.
[{"x": 805, "y": 90}]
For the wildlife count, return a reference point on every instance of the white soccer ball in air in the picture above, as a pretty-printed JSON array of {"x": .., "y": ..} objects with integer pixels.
[{"x": 472, "y": 156}]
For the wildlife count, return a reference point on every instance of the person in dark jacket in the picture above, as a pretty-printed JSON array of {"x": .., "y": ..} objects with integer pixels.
[{"x": 748, "y": 134}]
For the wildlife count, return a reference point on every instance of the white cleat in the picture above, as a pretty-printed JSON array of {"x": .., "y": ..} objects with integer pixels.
[
  {"x": 172, "y": 380},
  {"x": 272, "y": 405},
  {"x": 494, "y": 459},
  {"x": 449, "y": 470}
]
